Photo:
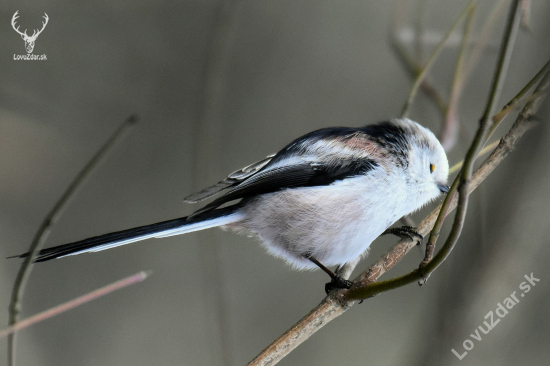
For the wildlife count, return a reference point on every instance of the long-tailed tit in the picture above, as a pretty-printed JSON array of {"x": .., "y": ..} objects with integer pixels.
[{"x": 320, "y": 201}]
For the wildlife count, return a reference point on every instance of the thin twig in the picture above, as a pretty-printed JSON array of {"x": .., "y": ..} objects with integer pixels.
[
  {"x": 46, "y": 226},
  {"x": 330, "y": 308},
  {"x": 463, "y": 180},
  {"x": 526, "y": 14},
  {"x": 410, "y": 64},
  {"x": 505, "y": 111},
  {"x": 450, "y": 128},
  {"x": 431, "y": 60},
  {"x": 483, "y": 37},
  {"x": 207, "y": 137},
  {"x": 421, "y": 15},
  {"x": 455, "y": 168},
  {"x": 511, "y": 105},
  {"x": 497, "y": 118},
  {"x": 138, "y": 277}
]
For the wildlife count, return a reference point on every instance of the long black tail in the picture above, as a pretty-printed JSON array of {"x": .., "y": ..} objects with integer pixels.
[{"x": 214, "y": 218}]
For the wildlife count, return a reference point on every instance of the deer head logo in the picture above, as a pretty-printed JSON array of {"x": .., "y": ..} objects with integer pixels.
[{"x": 29, "y": 40}]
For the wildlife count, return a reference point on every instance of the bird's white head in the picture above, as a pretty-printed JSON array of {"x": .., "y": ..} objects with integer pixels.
[{"x": 428, "y": 167}]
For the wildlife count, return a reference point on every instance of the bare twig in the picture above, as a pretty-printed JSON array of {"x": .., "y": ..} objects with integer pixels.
[
  {"x": 330, "y": 308},
  {"x": 207, "y": 137},
  {"x": 420, "y": 17},
  {"x": 463, "y": 180},
  {"x": 46, "y": 226},
  {"x": 431, "y": 60},
  {"x": 526, "y": 14},
  {"x": 138, "y": 277},
  {"x": 483, "y": 38},
  {"x": 450, "y": 128},
  {"x": 455, "y": 168},
  {"x": 410, "y": 64},
  {"x": 511, "y": 105}
]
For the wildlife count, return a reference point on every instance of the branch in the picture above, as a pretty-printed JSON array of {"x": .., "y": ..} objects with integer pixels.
[
  {"x": 96, "y": 294},
  {"x": 46, "y": 226},
  {"x": 432, "y": 59},
  {"x": 449, "y": 134},
  {"x": 462, "y": 181},
  {"x": 410, "y": 64}
]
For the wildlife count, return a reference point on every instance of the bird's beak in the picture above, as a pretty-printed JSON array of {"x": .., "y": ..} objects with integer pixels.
[{"x": 443, "y": 188}]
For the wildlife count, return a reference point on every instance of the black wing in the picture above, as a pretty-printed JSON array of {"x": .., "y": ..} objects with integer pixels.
[
  {"x": 304, "y": 174},
  {"x": 232, "y": 180},
  {"x": 317, "y": 158},
  {"x": 237, "y": 177}
]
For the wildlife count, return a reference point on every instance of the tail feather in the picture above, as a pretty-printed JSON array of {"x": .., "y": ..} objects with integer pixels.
[{"x": 159, "y": 230}]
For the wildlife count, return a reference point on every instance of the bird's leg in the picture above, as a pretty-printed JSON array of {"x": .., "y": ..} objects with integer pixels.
[
  {"x": 404, "y": 232},
  {"x": 336, "y": 282}
]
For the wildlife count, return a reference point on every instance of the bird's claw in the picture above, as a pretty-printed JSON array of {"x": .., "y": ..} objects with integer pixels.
[
  {"x": 337, "y": 282},
  {"x": 405, "y": 232}
]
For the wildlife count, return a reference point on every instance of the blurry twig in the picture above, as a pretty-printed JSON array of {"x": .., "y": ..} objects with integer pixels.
[
  {"x": 138, "y": 277},
  {"x": 483, "y": 38},
  {"x": 420, "y": 17},
  {"x": 461, "y": 183},
  {"x": 46, "y": 226},
  {"x": 408, "y": 221},
  {"x": 455, "y": 168},
  {"x": 431, "y": 60},
  {"x": 208, "y": 135},
  {"x": 526, "y": 14},
  {"x": 511, "y": 105},
  {"x": 462, "y": 72},
  {"x": 410, "y": 64},
  {"x": 450, "y": 127}
]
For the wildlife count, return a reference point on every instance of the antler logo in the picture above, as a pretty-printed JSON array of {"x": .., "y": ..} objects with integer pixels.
[{"x": 29, "y": 40}]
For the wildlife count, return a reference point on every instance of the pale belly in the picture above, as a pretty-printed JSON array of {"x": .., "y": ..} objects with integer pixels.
[{"x": 335, "y": 224}]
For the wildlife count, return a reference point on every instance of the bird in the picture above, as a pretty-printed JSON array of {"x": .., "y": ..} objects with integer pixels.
[{"x": 319, "y": 202}]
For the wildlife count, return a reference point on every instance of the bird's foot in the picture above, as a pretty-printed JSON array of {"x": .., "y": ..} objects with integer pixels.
[
  {"x": 337, "y": 282},
  {"x": 405, "y": 232}
]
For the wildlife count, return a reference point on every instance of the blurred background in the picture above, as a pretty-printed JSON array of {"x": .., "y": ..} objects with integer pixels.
[{"x": 218, "y": 85}]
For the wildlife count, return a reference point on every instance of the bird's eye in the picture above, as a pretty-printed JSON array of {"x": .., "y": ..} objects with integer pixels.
[{"x": 432, "y": 168}]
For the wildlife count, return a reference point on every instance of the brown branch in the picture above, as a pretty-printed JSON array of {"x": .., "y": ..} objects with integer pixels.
[
  {"x": 96, "y": 294},
  {"x": 330, "y": 308}
]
